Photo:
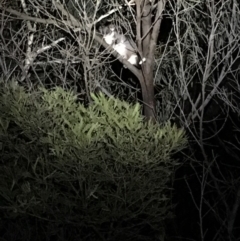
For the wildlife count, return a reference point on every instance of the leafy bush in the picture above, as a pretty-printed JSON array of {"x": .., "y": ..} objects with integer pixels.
[{"x": 74, "y": 173}]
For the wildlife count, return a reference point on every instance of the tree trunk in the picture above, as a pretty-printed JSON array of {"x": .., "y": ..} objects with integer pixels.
[{"x": 149, "y": 104}]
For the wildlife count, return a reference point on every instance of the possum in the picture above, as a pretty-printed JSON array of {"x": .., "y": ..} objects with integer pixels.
[{"x": 126, "y": 48}]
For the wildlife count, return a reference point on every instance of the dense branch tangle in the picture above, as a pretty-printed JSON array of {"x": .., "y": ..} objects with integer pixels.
[{"x": 82, "y": 17}]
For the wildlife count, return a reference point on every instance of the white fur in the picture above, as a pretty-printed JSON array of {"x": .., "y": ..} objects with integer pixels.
[
  {"x": 109, "y": 38},
  {"x": 133, "y": 59}
]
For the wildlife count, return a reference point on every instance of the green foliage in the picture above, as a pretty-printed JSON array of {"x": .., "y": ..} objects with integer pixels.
[{"x": 95, "y": 173}]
